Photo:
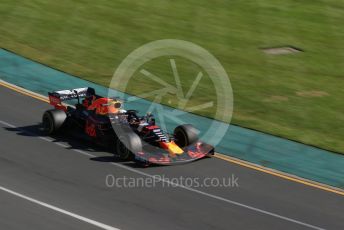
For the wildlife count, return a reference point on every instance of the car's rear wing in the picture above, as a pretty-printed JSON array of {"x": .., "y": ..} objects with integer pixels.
[{"x": 57, "y": 97}]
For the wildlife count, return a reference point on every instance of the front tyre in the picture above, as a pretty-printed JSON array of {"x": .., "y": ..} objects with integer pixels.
[
  {"x": 53, "y": 120},
  {"x": 185, "y": 135},
  {"x": 127, "y": 145}
]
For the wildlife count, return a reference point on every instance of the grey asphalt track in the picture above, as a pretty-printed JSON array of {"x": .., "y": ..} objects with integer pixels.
[{"x": 54, "y": 173}]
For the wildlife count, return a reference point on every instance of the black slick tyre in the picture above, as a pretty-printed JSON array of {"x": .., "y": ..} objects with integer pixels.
[{"x": 53, "y": 120}]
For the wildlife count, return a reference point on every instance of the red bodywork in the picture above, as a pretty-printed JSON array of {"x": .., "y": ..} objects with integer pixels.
[{"x": 57, "y": 103}]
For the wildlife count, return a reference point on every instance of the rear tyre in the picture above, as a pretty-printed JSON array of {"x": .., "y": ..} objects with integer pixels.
[
  {"x": 185, "y": 135},
  {"x": 53, "y": 120},
  {"x": 127, "y": 145}
]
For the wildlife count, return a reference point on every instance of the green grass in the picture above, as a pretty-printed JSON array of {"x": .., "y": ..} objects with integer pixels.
[{"x": 90, "y": 38}]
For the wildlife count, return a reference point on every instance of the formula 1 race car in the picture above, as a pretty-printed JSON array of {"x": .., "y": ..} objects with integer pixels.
[{"x": 127, "y": 135}]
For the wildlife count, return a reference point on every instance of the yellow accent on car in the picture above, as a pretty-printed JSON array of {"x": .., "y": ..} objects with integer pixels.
[{"x": 173, "y": 148}]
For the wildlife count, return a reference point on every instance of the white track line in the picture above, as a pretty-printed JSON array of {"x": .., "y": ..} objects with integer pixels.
[
  {"x": 60, "y": 210},
  {"x": 158, "y": 179},
  {"x": 85, "y": 219}
]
